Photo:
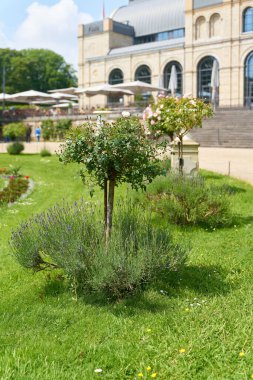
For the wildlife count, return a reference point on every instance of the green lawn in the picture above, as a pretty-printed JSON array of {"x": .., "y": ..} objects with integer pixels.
[{"x": 205, "y": 309}]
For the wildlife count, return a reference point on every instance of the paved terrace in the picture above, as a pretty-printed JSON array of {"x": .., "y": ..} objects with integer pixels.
[{"x": 236, "y": 162}]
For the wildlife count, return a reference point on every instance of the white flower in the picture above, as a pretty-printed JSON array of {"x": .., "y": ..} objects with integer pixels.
[
  {"x": 126, "y": 114},
  {"x": 98, "y": 370}
]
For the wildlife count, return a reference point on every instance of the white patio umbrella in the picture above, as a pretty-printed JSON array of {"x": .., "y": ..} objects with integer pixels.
[
  {"x": 105, "y": 89},
  {"x": 66, "y": 105},
  {"x": 160, "y": 84},
  {"x": 173, "y": 83},
  {"x": 4, "y": 96},
  {"x": 28, "y": 96},
  {"x": 63, "y": 96},
  {"x": 215, "y": 81},
  {"x": 68, "y": 90},
  {"x": 138, "y": 87}
]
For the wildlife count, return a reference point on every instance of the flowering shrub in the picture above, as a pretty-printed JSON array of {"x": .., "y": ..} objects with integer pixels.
[
  {"x": 17, "y": 184},
  {"x": 71, "y": 237},
  {"x": 179, "y": 116},
  {"x": 15, "y": 188},
  {"x": 173, "y": 116}
]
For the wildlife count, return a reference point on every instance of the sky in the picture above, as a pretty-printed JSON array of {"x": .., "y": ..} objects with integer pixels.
[{"x": 49, "y": 24}]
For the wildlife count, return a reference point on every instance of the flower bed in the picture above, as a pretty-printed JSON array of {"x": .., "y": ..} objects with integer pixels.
[{"x": 15, "y": 187}]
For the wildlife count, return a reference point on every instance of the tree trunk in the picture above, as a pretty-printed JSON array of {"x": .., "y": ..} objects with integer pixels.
[
  {"x": 180, "y": 154},
  {"x": 110, "y": 208}
]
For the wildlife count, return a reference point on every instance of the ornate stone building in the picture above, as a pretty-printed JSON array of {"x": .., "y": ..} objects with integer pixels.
[{"x": 144, "y": 39}]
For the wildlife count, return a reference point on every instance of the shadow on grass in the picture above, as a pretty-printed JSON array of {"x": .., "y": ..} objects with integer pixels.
[
  {"x": 211, "y": 175},
  {"x": 203, "y": 280},
  {"x": 55, "y": 285},
  {"x": 231, "y": 190},
  {"x": 243, "y": 220}
]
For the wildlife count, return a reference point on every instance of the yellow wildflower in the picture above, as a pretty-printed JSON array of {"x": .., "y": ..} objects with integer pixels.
[
  {"x": 154, "y": 375},
  {"x": 242, "y": 354},
  {"x": 149, "y": 368},
  {"x": 148, "y": 330},
  {"x": 182, "y": 350},
  {"x": 251, "y": 376},
  {"x": 140, "y": 374}
]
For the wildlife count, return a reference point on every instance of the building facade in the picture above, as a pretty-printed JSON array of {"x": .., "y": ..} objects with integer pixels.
[{"x": 143, "y": 40}]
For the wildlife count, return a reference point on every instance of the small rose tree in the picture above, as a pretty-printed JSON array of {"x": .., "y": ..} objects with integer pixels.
[
  {"x": 112, "y": 154},
  {"x": 176, "y": 117}
]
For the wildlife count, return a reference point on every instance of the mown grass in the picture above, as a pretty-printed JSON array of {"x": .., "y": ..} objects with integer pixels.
[{"x": 206, "y": 308}]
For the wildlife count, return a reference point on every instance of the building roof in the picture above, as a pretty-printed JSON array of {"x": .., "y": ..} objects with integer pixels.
[
  {"x": 158, "y": 45},
  {"x": 152, "y": 16}
]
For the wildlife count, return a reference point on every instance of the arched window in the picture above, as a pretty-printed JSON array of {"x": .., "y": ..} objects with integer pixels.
[
  {"x": 143, "y": 73},
  {"x": 215, "y": 25},
  {"x": 167, "y": 75},
  {"x": 205, "y": 69},
  {"x": 248, "y": 20},
  {"x": 248, "y": 80},
  {"x": 200, "y": 28},
  {"x": 115, "y": 77}
]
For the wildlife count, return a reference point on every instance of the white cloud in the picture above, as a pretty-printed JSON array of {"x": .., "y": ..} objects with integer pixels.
[
  {"x": 52, "y": 27},
  {"x": 4, "y": 40}
]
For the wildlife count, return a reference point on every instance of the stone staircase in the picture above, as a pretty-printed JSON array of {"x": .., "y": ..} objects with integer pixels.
[{"x": 231, "y": 128}]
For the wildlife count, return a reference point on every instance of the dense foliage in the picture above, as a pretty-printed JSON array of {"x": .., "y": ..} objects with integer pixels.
[
  {"x": 15, "y": 148},
  {"x": 112, "y": 154},
  {"x": 36, "y": 69},
  {"x": 55, "y": 130},
  {"x": 71, "y": 237},
  {"x": 189, "y": 200},
  {"x": 14, "y": 131},
  {"x": 176, "y": 117}
]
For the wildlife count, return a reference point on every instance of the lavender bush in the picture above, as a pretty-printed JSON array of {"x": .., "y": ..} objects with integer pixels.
[{"x": 72, "y": 238}]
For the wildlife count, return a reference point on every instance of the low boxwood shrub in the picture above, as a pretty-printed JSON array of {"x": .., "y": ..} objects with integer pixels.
[
  {"x": 189, "y": 200},
  {"x": 71, "y": 237},
  {"x": 45, "y": 153},
  {"x": 15, "y": 148}
]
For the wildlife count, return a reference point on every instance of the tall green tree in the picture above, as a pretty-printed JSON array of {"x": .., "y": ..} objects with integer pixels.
[{"x": 37, "y": 69}]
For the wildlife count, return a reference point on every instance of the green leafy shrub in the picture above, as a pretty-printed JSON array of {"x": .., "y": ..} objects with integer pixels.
[
  {"x": 62, "y": 126},
  {"x": 114, "y": 153},
  {"x": 48, "y": 129},
  {"x": 189, "y": 200},
  {"x": 13, "y": 171},
  {"x": 15, "y": 148},
  {"x": 70, "y": 237},
  {"x": 45, "y": 153},
  {"x": 14, "y": 131}
]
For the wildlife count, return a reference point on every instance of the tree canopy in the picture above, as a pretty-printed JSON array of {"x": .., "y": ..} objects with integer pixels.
[{"x": 37, "y": 69}]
